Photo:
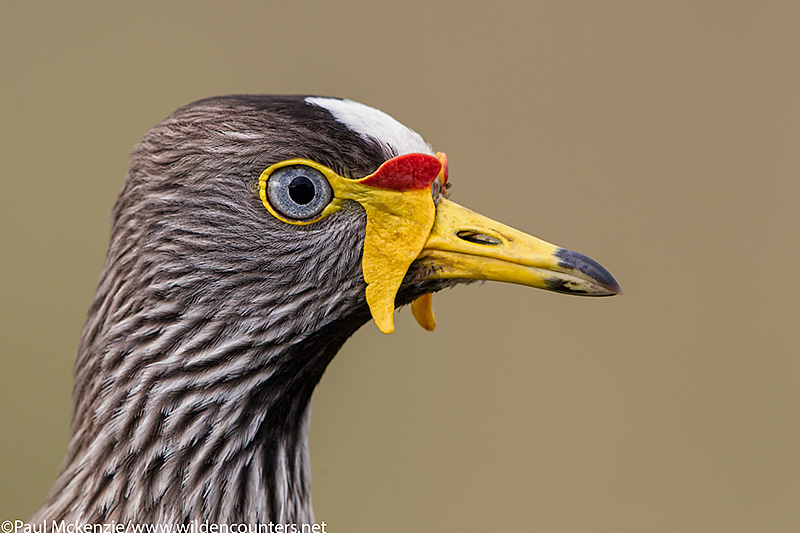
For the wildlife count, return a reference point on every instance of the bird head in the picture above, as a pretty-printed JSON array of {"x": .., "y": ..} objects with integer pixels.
[
  {"x": 252, "y": 236},
  {"x": 330, "y": 203}
]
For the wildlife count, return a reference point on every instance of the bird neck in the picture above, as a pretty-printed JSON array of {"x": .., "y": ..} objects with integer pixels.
[{"x": 206, "y": 422}]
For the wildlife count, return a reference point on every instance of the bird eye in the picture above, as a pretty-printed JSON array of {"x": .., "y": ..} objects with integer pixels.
[{"x": 298, "y": 192}]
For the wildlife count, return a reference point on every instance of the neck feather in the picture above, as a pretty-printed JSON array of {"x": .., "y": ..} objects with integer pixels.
[{"x": 185, "y": 409}]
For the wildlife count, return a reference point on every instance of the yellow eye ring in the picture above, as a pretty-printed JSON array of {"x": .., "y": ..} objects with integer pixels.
[{"x": 332, "y": 177}]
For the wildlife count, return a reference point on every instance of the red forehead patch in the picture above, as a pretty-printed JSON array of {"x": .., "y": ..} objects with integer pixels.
[{"x": 405, "y": 172}]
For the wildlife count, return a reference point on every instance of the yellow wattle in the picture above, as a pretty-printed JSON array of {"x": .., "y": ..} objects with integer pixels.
[
  {"x": 422, "y": 309},
  {"x": 398, "y": 226}
]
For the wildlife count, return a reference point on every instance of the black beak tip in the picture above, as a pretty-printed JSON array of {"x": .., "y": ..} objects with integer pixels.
[{"x": 590, "y": 268}]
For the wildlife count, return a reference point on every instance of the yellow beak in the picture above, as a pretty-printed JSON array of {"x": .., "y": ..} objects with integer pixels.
[{"x": 465, "y": 244}]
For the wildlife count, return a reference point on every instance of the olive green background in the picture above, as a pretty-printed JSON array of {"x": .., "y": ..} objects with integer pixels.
[{"x": 662, "y": 139}]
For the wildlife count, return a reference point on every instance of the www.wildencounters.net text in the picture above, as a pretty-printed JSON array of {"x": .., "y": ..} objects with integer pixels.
[{"x": 195, "y": 526}]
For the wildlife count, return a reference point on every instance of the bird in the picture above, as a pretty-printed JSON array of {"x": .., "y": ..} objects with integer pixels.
[{"x": 252, "y": 236}]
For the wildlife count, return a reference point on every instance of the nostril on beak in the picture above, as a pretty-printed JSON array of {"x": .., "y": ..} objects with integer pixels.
[{"x": 478, "y": 238}]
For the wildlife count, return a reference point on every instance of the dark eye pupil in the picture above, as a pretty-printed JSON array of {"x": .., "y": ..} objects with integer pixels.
[{"x": 301, "y": 190}]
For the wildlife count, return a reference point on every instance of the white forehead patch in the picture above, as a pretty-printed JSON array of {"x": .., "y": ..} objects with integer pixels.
[{"x": 374, "y": 125}]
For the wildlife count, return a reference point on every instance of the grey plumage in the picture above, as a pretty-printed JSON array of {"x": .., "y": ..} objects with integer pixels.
[{"x": 213, "y": 322}]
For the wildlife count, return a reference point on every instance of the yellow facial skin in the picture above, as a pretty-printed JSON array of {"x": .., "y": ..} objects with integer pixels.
[
  {"x": 447, "y": 241},
  {"x": 398, "y": 225}
]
